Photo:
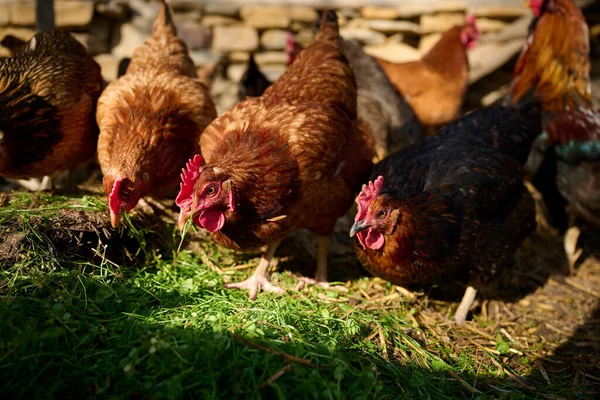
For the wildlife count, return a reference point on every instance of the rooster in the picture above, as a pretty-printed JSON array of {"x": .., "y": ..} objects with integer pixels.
[
  {"x": 150, "y": 120},
  {"x": 554, "y": 68},
  {"x": 292, "y": 158},
  {"x": 48, "y": 93},
  {"x": 453, "y": 202},
  {"x": 435, "y": 85}
]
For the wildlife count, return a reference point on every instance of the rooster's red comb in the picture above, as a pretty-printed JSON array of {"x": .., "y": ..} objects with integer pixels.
[
  {"x": 368, "y": 193},
  {"x": 189, "y": 175}
]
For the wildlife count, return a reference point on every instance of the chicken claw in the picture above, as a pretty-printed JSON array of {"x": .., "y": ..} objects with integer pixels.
[
  {"x": 463, "y": 308},
  {"x": 571, "y": 250},
  {"x": 260, "y": 278},
  {"x": 321, "y": 274}
]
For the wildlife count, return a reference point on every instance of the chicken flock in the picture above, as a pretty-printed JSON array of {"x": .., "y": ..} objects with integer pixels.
[{"x": 438, "y": 194}]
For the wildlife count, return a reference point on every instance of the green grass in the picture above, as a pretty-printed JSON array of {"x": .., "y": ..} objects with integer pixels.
[{"x": 134, "y": 317}]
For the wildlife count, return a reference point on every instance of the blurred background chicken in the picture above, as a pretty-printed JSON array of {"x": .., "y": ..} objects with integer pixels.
[
  {"x": 48, "y": 93},
  {"x": 292, "y": 158},
  {"x": 254, "y": 82},
  {"x": 150, "y": 120},
  {"x": 435, "y": 85},
  {"x": 554, "y": 68},
  {"x": 453, "y": 203}
]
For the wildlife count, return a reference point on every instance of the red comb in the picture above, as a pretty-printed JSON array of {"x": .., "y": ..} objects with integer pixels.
[
  {"x": 471, "y": 19},
  {"x": 114, "y": 200},
  {"x": 368, "y": 193},
  {"x": 189, "y": 175}
]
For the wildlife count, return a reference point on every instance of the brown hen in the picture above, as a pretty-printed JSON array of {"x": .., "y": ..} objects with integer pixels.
[
  {"x": 292, "y": 158},
  {"x": 48, "y": 92},
  {"x": 435, "y": 85},
  {"x": 452, "y": 203},
  {"x": 150, "y": 120}
]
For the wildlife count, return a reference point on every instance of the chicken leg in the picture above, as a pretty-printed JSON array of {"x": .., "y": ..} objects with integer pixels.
[
  {"x": 570, "y": 245},
  {"x": 260, "y": 279},
  {"x": 321, "y": 274},
  {"x": 463, "y": 308}
]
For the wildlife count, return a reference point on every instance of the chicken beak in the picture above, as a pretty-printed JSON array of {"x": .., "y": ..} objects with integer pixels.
[
  {"x": 526, "y": 3},
  {"x": 115, "y": 219},
  {"x": 183, "y": 217},
  {"x": 358, "y": 226}
]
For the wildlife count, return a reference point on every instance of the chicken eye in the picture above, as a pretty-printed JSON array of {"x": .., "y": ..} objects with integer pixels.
[
  {"x": 382, "y": 213},
  {"x": 211, "y": 190}
]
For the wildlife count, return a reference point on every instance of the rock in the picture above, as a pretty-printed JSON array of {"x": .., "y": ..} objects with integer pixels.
[
  {"x": 109, "y": 65},
  {"x": 203, "y": 57},
  {"x": 394, "y": 52},
  {"x": 428, "y": 41},
  {"x": 235, "y": 72},
  {"x": 517, "y": 29},
  {"x": 348, "y": 13},
  {"x": 395, "y": 38},
  {"x": 414, "y": 9},
  {"x": 304, "y": 37},
  {"x": 222, "y": 8},
  {"x": 371, "y": 12},
  {"x": 491, "y": 25},
  {"x": 145, "y": 9},
  {"x": 274, "y": 39},
  {"x": 386, "y": 26},
  {"x": 441, "y": 22},
  {"x": 271, "y": 57},
  {"x": 450, "y": 5},
  {"x": 239, "y": 56},
  {"x": 499, "y": 11},
  {"x": 131, "y": 35},
  {"x": 234, "y": 38},
  {"x": 364, "y": 36},
  {"x": 22, "y": 13},
  {"x": 113, "y": 9},
  {"x": 264, "y": 17},
  {"x": 302, "y": 13},
  {"x": 73, "y": 13},
  {"x": 485, "y": 58},
  {"x": 196, "y": 36},
  {"x": 218, "y": 20},
  {"x": 4, "y": 18}
]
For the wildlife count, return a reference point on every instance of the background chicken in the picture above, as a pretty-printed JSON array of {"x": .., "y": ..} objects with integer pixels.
[
  {"x": 150, "y": 120},
  {"x": 48, "y": 92},
  {"x": 554, "y": 68},
  {"x": 390, "y": 119},
  {"x": 292, "y": 158},
  {"x": 254, "y": 82},
  {"x": 453, "y": 201},
  {"x": 435, "y": 85}
]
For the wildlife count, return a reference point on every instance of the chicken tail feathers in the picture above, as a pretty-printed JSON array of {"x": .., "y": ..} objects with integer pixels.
[
  {"x": 327, "y": 26},
  {"x": 163, "y": 24}
]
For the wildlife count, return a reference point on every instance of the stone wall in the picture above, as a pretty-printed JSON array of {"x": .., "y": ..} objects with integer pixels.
[{"x": 395, "y": 30}]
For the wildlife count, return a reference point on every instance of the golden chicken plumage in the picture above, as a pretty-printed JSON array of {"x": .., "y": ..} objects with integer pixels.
[
  {"x": 292, "y": 158},
  {"x": 150, "y": 119}
]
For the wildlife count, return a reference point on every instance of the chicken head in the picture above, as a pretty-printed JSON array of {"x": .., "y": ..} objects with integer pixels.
[
  {"x": 123, "y": 194},
  {"x": 205, "y": 195}
]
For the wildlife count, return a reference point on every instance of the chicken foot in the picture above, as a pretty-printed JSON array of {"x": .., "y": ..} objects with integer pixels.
[
  {"x": 463, "y": 308},
  {"x": 570, "y": 245},
  {"x": 321, "y": 274},
  {"x": 260, "y": 279}
]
